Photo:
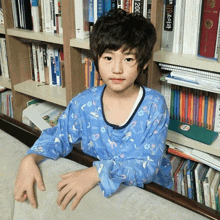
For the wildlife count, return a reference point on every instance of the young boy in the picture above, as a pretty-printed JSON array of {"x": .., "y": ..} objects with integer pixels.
[{"x": 122, "y": 124}]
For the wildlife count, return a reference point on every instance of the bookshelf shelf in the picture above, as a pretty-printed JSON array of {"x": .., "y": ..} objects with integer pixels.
[
  {"x": 5, "y": 82},
  {"x": 37, "y": 36},
  {"x": 214, "y": 148},
  {"x": 54, "y": 94},
  {"x": 80, "y": 43},
  {"x": 2, "y": 29},
  {"x": 185, "y": 60}
]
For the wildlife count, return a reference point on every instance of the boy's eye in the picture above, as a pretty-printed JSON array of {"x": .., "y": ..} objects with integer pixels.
[
  {"x": 108, "y": 58},
  {"x": 129, "y": 59}
]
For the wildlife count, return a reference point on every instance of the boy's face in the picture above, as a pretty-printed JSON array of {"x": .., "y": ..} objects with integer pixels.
[{"x": 118, "y": 69}]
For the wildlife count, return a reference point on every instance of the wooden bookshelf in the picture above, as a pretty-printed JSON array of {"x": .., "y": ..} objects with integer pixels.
[
  {"x": 80, "y": 43},
  {"x": 54, "y": 94},
  {"x": 2, "y": 29},
  {"x": 185, "y": 60},
  {"x": 5, "y": 82},
  {"x": 36, "y": 36}
]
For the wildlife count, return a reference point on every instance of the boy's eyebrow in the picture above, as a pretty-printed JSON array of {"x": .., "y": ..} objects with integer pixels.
[{"x": 124, "y": 52}]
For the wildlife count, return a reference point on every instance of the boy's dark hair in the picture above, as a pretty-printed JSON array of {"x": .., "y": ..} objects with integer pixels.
[{"x": 119, "y": 29}]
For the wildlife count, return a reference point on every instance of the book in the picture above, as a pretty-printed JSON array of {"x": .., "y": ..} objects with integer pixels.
[
  {"x": 47, "y": 16},
  {"x": 206, "y": 185},
  {"x": 209, "y": 27},
  {"x": 168, "y": 23},
  {"x": 35, "y": 15},
  {"x": 4, "y": 57},
  {"x": 176, "y": 176},
  {"x": 201, "y": 180},
  {"x": 214, "y": 188},
  {"x": 217, "y": 114},
  {"x": 82, "y": 19},
  {"x": 44, "y": 115},
  {"x": 175, "y": 161}
]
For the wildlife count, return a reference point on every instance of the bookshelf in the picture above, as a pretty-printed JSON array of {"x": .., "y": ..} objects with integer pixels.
[{"x": 24, "y": 89}]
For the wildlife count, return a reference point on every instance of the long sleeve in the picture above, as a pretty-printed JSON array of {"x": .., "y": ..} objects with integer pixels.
[
  {"x": 58, "y": 141},
  {"x": 141, "y": 165}
]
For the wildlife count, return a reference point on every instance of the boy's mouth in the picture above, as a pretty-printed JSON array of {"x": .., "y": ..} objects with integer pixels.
[{"x": 117, "y": 80}]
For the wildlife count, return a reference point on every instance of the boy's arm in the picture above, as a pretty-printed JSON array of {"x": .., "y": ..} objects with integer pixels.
[{"x": 28, "y": 174}]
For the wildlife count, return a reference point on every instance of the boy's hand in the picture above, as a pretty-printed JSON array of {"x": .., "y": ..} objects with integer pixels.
[
  {"x": 28, "y": 174},
  {"x": 76, "y": 184}
]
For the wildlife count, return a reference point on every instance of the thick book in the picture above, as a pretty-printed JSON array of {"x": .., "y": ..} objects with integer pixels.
[
  {"x": 82, "y": 19},
  {"x": 214, "y": 188},
  {"x": 209, "y": 28},
  {"x": 35, "y": 15},
  {"x": 168, "y": 26},
  {"x": 206, "y": 185},
  {"x": 175, "y": 161}
]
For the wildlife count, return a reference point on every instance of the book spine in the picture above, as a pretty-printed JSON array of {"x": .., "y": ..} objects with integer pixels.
[
  {"x": 107, "y": 6},
  {"x": 57, "y": 66},
  {"x": 149, "y": 2},
  {"x": 43, "y": 16},
  {"x": 209, "y": 27},
  {"x": 217, "y": 114},
  {"x": 138, "y": 6},
  {"x": 114, "y": 4},
  {"x": 81, "y": 19},
  {"x": 47, "y": 16},
  {"x": 168, "y": 23},
  {"x": 35, "y": 15},
  {"x": 100, "y": 8}
]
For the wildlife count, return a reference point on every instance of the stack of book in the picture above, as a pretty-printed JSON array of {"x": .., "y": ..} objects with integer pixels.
[
  {"x": 38, "y": 15},
  {"x": 92, "y": 78},
  {"x": 195, "y": 174},
  {"x": 47, "y": 64},
  {"x": 191, "y": 27},
  {"x": 6, "y": 102},
  {"x": 193, "y": 96},
  {"x": 88, "y": 11}
]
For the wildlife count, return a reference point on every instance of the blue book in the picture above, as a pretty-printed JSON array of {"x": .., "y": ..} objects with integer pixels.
[
  {"x": 100, "y": 8},
  {"x": 107, "y": 5},
  {"x": 91, "y": 11},
  {"x": 53, "y": 69},
  {"x": 175, "y": 102},
  {"x": 92, "y": 75},
  {"x": 114, "y": 4},
  {"x": 57, "y": 66}
]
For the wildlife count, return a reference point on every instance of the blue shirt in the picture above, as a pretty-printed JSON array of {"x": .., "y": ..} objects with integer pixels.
[{"x": 133, "y": 154}]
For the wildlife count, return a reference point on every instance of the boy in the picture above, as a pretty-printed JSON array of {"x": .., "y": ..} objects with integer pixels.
[{"x": 122, "y": 124}]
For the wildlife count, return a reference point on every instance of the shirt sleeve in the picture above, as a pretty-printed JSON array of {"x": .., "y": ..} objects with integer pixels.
[
  {"x": 140, "y": 168},
  {"x": 58, "y": 141}
]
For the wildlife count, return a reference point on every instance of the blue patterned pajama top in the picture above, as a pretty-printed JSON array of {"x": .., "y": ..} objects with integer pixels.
[{"x": 132, "y": 154}]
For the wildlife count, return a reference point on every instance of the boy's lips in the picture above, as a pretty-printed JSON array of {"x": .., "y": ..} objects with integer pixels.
[{"x": 114, "y": 80}]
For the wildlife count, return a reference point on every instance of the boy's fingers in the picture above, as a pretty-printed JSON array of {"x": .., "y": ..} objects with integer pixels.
[
  {"x": 76, "y": 201},
  {"x": 66, "y": 175},
  {"x": 31, "y": 197},
  {"x": 40, "y": 183}
]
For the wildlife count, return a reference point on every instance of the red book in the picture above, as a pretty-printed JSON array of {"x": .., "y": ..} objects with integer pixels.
[
  {"x": 209, "y": 28},
  {"x": 189, "y": 107},
  {"x": 200, "y": 107}
]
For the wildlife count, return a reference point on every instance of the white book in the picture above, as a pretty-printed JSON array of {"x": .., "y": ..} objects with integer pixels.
[
  {"x": 213, "y": 188},
  {"x": 217, "y": 114},
  {"x": 42, "y": 15},
  {"x": 166, "y": 92},
  {"x": 50, "y": 53},
  {"x": 1, "y": 62},
  {"x": 44, "y": 115},
  {"x": 53, "y": 17},
  {"x": 34, "y": 55},
  {"x": 40, "y": 63},
  {"x": 206, "y": 185},
  {"x": 47, "y": 16},
  {"x": 217, "y": 45},
  {"x": 197, "y": 172},
  {"x": 95, "y": 8},
  {"x": 82, "y": 19},
  {"x": 178, "y": 10},
  {"x": 14, "y": 13},
  {"x": 35, "y": 15},
  {"x": 4, "y": 57}
]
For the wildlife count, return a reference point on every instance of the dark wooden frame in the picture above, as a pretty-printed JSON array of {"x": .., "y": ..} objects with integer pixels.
[{"x": 28, "y": 136}]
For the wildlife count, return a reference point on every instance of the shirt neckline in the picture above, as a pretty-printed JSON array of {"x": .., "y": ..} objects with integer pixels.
[{"x": 118, "y": 127}]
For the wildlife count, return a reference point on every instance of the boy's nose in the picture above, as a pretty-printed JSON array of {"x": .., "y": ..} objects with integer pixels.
[{"x": 117, "y": 67}]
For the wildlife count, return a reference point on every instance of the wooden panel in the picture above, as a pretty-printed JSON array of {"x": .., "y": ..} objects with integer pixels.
[{"x": 154, "y": 73}]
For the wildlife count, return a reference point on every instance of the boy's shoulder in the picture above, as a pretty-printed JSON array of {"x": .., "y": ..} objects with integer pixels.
[
  {"x": 153, "y": 94},
  {"x": 89, "y": 94}
]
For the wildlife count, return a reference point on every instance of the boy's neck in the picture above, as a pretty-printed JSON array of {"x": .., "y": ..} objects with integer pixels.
[{"x": 122, "y": 95}]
